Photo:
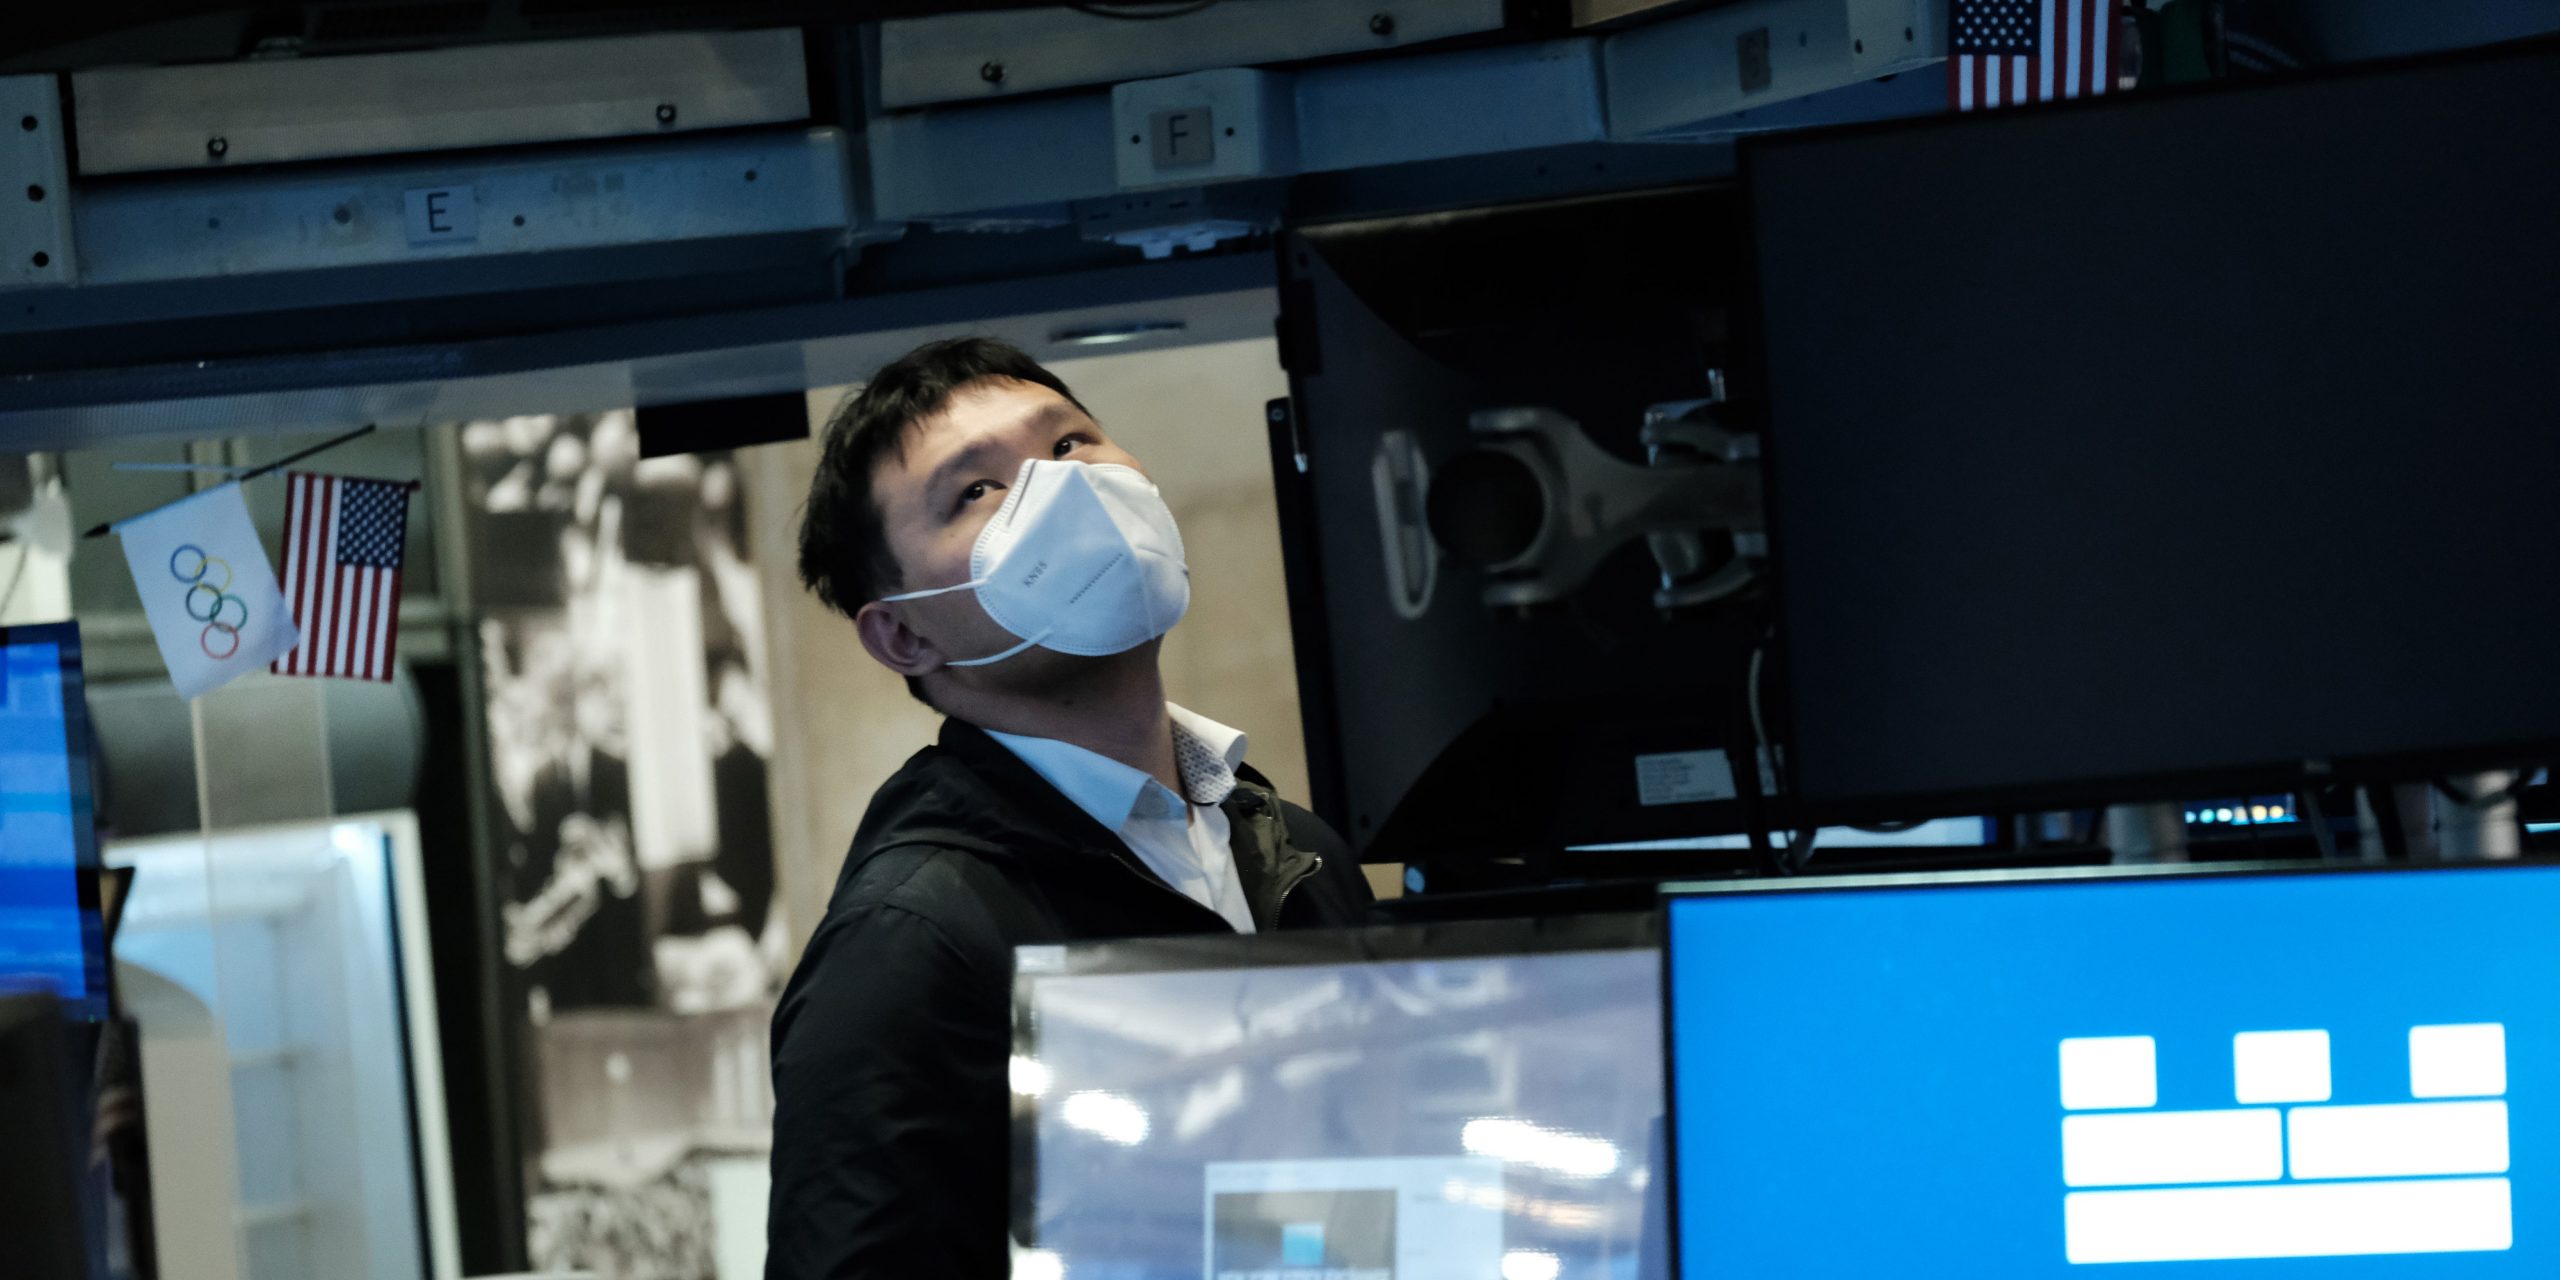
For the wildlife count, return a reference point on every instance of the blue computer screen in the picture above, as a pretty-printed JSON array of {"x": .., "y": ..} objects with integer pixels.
[
  {"x": 2266, "y": 1075},
  {"x": 47, "y": 935}
]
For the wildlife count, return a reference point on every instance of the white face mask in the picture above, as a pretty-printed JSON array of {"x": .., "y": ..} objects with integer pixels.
[{"x": 1082, "y": 558}]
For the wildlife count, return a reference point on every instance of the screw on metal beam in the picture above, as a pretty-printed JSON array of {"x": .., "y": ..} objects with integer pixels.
[
  {"x": 992, "y": 72},
  {"x": 217, "y": 147},
  {"x": 1382, "y": 24},
  {"x": 666, "y": 113}
]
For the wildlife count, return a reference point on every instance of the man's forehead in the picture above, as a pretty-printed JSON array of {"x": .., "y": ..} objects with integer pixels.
[{"x": 987, "y": 405}]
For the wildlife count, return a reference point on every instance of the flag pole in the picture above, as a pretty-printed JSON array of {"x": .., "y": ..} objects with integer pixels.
[{"x": 248, "y": 475}]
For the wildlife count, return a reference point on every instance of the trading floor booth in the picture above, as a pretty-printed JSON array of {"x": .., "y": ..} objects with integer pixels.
[{"x": 2052, "y": 588}]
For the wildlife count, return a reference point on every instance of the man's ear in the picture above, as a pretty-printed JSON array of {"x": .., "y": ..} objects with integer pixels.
[{"x": 895, "y": 645}]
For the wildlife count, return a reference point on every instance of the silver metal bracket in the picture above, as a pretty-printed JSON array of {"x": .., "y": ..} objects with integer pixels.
[
  {"x": 1158, "y": 222},
  {"x": 977, "y": 57},
  {"x": 1596, "y": 503},
  {"x": 35, "y": 199},
  {"x": 366, "y": 107},
  {"x": 1687, "y": 433}
]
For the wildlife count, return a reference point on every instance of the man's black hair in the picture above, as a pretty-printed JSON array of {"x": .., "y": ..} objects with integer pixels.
[{"x": 845, "y": 558}]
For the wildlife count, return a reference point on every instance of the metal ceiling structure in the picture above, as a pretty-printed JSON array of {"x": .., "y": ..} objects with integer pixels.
[{"x": 240, "y": 219}]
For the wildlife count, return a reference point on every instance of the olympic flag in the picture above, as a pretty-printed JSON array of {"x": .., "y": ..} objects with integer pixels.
[{"x": 208, "y": 589}]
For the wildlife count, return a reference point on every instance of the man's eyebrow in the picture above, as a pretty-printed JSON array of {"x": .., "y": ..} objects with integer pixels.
[
  {"x": 1052, "y": 412},
  {"x": 941, "y": 474},
  {"x": 966, "y": 458}
]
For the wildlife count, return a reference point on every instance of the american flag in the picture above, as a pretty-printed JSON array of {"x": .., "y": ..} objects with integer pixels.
[
  {"x": 343, "y": 540},
  {"x": 2004, "y": 52}
]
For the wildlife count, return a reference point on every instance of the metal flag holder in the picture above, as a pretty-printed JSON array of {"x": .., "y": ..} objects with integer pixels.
[{"x": 239, "y": 475}]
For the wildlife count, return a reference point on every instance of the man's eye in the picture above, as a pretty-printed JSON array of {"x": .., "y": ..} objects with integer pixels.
[
  {"x": 1066, "y": 445},
  {"x": 974, "y": 492}
]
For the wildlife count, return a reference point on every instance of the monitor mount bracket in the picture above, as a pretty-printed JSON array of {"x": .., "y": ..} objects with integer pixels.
[{"x": 1699, "y": 486}]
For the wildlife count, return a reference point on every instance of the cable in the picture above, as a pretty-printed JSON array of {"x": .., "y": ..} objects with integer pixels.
[
  {"x": 1156, "y": 12},
  {"x": 1751, "y": 683},
  {"x": 1746, "y": 777},
  {"x": 1797, "y": 853}
]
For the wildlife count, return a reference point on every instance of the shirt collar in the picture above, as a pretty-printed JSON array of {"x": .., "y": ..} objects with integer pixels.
[{"x": 1204, "y": 751}]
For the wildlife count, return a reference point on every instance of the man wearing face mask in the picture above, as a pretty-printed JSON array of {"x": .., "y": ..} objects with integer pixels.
[{"x": 994, "y": 547}]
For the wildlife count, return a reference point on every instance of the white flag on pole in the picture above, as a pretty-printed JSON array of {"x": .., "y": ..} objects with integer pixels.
[{"x": 208, "y": 589}]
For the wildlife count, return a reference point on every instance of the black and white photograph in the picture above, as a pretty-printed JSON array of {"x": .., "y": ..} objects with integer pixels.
[{"x": 629, "y": 732}]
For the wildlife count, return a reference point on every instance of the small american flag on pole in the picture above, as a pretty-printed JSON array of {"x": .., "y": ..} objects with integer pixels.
[
  {"x": 2005, "y": 52},
  {"x": 343, "y": 540}
]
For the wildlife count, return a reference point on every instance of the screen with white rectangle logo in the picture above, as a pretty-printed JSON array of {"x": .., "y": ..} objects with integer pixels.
[{"x": 2264, "y": 1075}]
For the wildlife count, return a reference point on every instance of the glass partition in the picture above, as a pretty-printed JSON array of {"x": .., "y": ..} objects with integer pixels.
[{"x": 303, "y": 942}]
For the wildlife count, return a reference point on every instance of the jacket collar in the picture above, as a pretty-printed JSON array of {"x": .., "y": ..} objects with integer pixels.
[
  {"x": 995, "y": 806},
  {"x": 1018, "y": 811}
]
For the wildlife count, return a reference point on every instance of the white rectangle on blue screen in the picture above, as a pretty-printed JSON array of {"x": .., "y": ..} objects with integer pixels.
[
  {"x": 2164, "y": 1148},
  {"x": 2417, "y": 1219},
  {"x": 1908, "y": 1064},
  {"x": 2398, "y": 1140}
]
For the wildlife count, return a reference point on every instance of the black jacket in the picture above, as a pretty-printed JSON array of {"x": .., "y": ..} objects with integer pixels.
[{"x": 890, "y": 1047}]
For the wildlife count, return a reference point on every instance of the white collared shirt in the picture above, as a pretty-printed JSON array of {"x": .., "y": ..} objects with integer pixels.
[{"x": 1185, "y": 843}]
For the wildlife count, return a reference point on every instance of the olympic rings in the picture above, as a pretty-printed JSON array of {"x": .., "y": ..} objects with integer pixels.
[
  {"x": 213, "y": 612},
  {"x": 221, "y": 595},
  {"x": 204, "y": 565}
]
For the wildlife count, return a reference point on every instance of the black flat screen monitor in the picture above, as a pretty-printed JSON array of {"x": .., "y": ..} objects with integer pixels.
[
  {"x": 2211, "y": 434},
  {"x": 1441, "y": 731},
  {"x": 50, "y": 939}
]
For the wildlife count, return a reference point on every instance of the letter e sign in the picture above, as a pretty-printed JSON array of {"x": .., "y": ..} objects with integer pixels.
[{"x": 440, "y": 214}]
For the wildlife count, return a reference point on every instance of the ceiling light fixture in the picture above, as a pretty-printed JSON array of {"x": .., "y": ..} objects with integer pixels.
[{"x": 1105, "y": 335}]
